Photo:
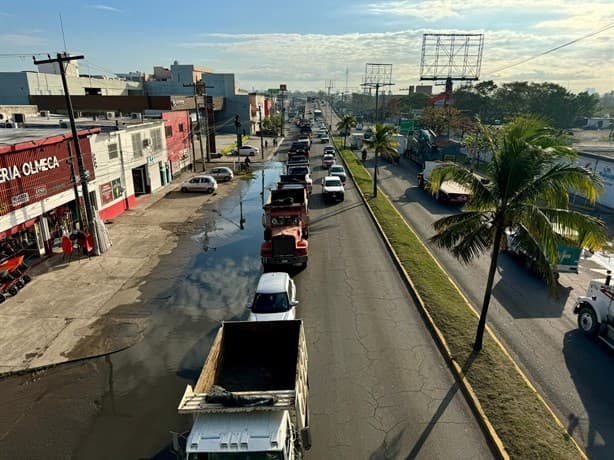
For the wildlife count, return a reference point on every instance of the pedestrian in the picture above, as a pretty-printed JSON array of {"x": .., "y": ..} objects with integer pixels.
[{"x": 266, "y": 144}]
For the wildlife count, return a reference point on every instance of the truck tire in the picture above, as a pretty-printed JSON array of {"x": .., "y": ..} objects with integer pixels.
[{"x": 587, "y": 320}]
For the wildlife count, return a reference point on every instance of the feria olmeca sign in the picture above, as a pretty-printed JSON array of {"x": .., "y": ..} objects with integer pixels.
[{"x": 28, "y": 168}]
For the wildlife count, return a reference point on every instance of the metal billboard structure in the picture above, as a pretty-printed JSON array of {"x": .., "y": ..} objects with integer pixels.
[
  {"x": 449, "y": 57},
  {"x": 455, "y": 56}
]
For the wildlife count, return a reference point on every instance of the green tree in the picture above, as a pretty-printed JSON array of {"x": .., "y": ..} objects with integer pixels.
[
  {"x": 530, "y": 178},
  {"x": 345, "y": 125},
  {"x": 440, "y": 119},
  {"x": 383, "y": 145}
]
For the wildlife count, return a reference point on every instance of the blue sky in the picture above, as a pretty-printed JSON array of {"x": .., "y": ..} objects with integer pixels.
[{"x": 266, "y": 43}]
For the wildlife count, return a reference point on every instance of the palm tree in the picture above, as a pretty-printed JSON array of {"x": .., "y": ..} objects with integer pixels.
[
  {"x": 382, "y": 144},
  {"x": 345, "y": 125},
  {"x": 530, "y": 177}
]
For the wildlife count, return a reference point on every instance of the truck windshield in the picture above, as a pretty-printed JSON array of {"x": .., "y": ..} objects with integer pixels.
[
  {"x": 271, "y": 303},
  {"x": 237, "y": 456}
]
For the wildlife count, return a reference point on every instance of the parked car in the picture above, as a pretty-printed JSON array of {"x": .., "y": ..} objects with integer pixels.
[
  {"x": 275, "y": 298},
  {"x": 328, "y": 160},
  {"x": 200, "y": 183},
  {"x": 337, "y": 171},
  {"x": 221, "y": 174},
  {"x": 246, "y": 151},
  {"x": 332, "y": 189}
]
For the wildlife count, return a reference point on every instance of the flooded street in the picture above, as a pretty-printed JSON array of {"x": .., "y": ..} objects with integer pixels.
[{"x": 123, "y": 406}]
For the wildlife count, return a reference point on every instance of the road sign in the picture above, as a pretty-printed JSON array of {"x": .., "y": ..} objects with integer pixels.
[{"x": 406, "y": 126}]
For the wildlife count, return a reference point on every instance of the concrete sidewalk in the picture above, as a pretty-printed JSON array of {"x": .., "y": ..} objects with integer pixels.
[{"x": 64, "y": 313}]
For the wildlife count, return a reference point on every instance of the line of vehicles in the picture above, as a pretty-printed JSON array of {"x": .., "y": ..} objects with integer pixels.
[{"x": 251, "y": 400}]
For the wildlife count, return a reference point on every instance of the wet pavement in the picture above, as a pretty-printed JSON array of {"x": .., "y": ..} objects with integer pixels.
[{"x": 126, "y": 401}]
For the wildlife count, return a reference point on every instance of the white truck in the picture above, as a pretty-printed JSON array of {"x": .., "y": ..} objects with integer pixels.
[
  {"x": 595, "y": 310},
  {"x": 251, "y": 399},
  {"x": 450, "y": 191}
]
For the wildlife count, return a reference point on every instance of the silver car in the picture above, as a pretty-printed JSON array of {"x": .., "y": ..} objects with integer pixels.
[
  {"x": 337, "y": 171},
  {"x": 221, "y": 174},
  {"x": 200, "y": 183}
]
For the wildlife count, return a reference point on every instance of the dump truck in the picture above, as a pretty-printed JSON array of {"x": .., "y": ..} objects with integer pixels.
[
  {"x": 286, "y": 226},
  {"x": 450, "y": 191},
  {"x": 251, "y": 399}
]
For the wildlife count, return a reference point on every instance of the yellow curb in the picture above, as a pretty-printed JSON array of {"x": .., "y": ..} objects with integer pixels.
[{"x": 466, "y": 386}]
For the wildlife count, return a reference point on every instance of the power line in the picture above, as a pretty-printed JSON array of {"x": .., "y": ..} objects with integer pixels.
[{"x": 556, "y": 48}]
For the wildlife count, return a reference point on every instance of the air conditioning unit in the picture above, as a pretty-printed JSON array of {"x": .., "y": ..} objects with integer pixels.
[
  {"x": 110, "y": 115},
  {"x": 136, "y": 116}
]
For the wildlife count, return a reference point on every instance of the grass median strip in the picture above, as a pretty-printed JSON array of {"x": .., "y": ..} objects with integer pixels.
[{"x": 524, "y": 424}]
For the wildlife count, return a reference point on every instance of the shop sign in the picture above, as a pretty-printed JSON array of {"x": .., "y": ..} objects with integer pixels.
[
  {"x": 20, "y": 199},
  {"x": 110, "y": 191},
  {"x": 28, "y": 168}
]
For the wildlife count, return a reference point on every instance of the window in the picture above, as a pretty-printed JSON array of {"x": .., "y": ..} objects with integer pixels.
[
  {"x": 156, "y": 139},
  {"x": 137, "y": 145},
  {"x": 169, "y": 131},
  {"x": 180, "y": 127},
  {"x": 113, "y": 151}
]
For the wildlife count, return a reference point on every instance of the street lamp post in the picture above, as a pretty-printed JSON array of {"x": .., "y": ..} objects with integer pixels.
[{"x": 260, "y": 123}]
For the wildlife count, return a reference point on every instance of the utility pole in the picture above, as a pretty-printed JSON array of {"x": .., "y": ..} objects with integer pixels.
[
  {"x": 75, "y": 187},
  {"x": 84, "y": 174},
  {"x": 260, "y": 124},
  {"x": 376, "y": 76},
  {"x": 239, "y": 140},
  {"x": 201, "y": 89},
  {"x": 330, "y": 84}
]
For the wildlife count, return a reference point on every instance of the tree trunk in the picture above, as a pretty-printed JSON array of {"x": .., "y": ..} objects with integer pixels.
[
  {"x": 375, "y": 177},
  {"x": 479, "y": 337},
  {"x": 345, "y": 136}
]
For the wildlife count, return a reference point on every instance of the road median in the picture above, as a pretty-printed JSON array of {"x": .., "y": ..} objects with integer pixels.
[{"x": 518, "y": 421}]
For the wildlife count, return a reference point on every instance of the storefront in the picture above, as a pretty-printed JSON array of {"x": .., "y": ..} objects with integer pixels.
[{"x": 37, "y": 199}]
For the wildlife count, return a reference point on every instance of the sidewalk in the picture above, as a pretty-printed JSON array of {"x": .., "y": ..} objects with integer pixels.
[{"x": 69, "y": 311}]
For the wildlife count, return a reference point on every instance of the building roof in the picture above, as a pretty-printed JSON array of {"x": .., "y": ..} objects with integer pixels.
[{"x": 17, "y": 139}]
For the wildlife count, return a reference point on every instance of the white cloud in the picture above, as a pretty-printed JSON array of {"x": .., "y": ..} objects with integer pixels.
[
  {"x": 105, "y": 8},
  {"x": 20, "y": 40},
  {"x": 305, "y": 61}
]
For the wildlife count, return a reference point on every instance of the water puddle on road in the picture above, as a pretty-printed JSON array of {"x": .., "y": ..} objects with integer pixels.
[{"x": 125, "y": 405}]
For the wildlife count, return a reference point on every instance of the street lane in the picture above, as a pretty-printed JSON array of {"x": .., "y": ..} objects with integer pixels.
[{"x": 379, "y": 386}]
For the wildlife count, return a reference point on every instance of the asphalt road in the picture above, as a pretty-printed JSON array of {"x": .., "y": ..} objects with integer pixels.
[
  {"x": 571, "y": 371},
  {"x": 379, "y": 386}
]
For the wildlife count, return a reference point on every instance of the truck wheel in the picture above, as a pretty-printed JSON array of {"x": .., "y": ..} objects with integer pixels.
[{"x": 587, "y": 321}]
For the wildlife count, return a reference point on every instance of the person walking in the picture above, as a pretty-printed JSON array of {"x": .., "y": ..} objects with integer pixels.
[{"x": 266, "y": 144}]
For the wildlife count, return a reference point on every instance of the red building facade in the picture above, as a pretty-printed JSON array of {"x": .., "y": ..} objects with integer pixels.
[{"x": 177, "y": 130}]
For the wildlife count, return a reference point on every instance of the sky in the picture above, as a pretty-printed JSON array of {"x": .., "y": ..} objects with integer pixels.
[{"x": 319, "y": 44}]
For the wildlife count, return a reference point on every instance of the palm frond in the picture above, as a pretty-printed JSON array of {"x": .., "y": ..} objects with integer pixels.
[{"x": 467, "y": 235}]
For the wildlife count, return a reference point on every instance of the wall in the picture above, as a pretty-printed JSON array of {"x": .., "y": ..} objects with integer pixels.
[
  {"x": 234, "y": 105},
  {"x": 14, "y": 88},
  {"x": 178, "y": 143},
  {"x": 223, "y": 84}
]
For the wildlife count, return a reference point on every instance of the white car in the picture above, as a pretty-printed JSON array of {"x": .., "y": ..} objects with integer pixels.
[
  {"x": 200, "y": 183},
  {"x": 275, "y": 298},
  {"x": 338, "y": 171},
  {"x": 332, "y": 189},
  {"x": 247, "y": 151},
  {"x": 221, "y": 174}
]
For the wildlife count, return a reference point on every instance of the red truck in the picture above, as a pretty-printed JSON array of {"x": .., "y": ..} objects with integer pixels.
[{"x": 286, "y": 227}]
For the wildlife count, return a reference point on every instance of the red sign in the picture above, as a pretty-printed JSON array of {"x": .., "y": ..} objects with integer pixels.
[
  {"x": 283, "y": 87},
  {"x": 32, "y": 174}
]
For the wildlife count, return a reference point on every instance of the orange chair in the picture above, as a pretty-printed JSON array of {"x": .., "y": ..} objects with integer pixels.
[{"x": 67, "y": 248}]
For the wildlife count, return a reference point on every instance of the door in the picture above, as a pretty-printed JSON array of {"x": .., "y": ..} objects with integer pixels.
[{"x": 138, "y": 179}]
